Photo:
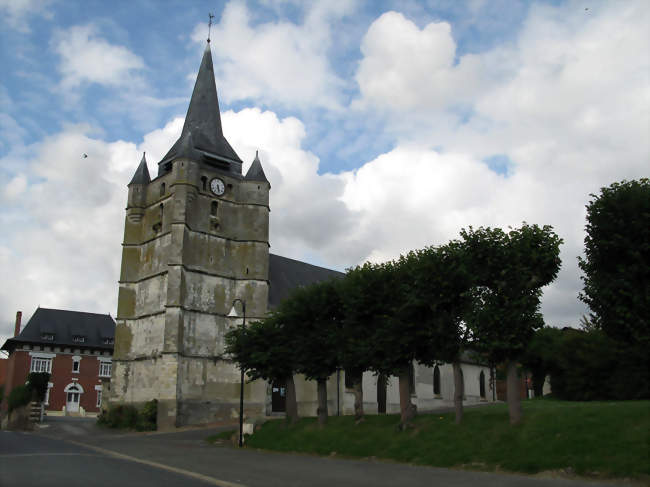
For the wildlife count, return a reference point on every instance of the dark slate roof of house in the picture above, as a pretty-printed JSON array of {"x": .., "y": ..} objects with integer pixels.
[
  {"x": 287, "y": 274},
  {"x": 202, "y": 135},
  {"x": 141, "y": 175},
  {"x": 64, "y": 325},
  {"x": 255, "y": 172}
]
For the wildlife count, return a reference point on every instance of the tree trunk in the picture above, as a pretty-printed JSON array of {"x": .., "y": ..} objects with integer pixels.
[
  {"x": 381, "y": 393},
  {"x": 514, "y": 393},
  {"x": 322, "y": 401},
  {"x": 458, "y": 391},
  {"x": 291, "y": 405},
  {"x": 357, "y": 388},
  {"x": 407, "y": 409}
]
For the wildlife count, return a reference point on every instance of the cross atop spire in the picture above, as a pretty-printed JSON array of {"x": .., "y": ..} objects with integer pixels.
[
  {"x": 210, "y": 25},
  {"x": 202, "y": 139}
]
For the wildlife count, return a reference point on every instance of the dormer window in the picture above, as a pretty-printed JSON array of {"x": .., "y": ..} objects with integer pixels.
[
  {"x": 109, "y": 341},
  {"x": 47, "y": 336},
  {"x": 78, "y": 338}
]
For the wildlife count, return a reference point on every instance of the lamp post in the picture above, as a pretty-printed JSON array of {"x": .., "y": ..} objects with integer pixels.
[{"x": 233, "y": 314}]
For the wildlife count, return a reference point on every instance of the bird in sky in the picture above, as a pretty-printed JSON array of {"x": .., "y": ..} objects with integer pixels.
[{"x": 84, "y": 155}]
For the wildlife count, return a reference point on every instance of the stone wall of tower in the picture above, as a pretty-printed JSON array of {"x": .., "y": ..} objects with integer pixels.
[{"x": 187, "y": 255}]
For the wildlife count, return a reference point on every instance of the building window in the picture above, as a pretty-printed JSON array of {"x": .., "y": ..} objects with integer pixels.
[
  {"x": 41, "y": 365},
  {"x": 213, "y": 208},
  {"x": 76, "y": 363},
  {"x": 47, "y": 336},
  {"x": 104, "y": 369},
  {"x": 481, "y": 384},
  {"x": 79, "y": 338},
  {"x": 109, "y": 341},
  {"x": 99, "y": 399},
  {"x": 162, "y": 189},
  {"x": 436, "y": 380},
  {"x": 204, "y": 183}
]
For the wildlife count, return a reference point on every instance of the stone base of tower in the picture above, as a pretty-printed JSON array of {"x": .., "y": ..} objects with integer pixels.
[{"x": 189, "y": 390}]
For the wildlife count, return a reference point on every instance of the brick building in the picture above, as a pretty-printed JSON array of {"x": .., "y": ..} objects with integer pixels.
[{"x": 76, "y": 348}]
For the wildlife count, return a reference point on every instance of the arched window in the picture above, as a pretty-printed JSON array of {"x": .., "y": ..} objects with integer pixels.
[
  {"x": 162, "y": 211},
  {"x": 436, "y": 380},
  {"x": 481, "y": 384},
  {"x": 204, "y": 183},
  {"x": 213, "y": 208},
  {"x": 162, "y": 189}
]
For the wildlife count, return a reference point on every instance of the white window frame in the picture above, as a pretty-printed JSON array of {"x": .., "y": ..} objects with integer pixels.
[
  {"x": 76, "y": 359},
  {"x": 41, "y": 364},
  {"x": 99, "y": 398},
  {"x": 105, "y": 364}
]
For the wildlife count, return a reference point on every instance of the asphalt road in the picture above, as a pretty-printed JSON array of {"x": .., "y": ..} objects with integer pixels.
[{"x": 71, "y": 451}]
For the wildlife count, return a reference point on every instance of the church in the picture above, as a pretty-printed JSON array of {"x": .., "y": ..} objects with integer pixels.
[{"x": 196, "y": 243}]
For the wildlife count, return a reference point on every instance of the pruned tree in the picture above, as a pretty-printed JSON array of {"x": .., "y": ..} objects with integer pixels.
[
  {"x": 616, "y": 265},
  {"x": 312, "y": 319},
  {"x": 509, "y": 272},
  {"x": 265, "y": 351}
]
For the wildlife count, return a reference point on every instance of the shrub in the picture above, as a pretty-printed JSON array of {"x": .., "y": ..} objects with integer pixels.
[
  {"x": 128, "y": 417},
  {"x": 19, "y": 396},
  {"x": 37, "y": 382}
]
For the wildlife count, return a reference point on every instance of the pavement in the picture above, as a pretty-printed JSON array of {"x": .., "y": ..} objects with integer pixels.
[{"x": 75, "y": 448}]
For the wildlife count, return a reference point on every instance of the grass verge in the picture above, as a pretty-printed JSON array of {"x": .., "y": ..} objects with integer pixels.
[
  {"x": 224, "y": 435},
  {"x": 599, "y": 439}
]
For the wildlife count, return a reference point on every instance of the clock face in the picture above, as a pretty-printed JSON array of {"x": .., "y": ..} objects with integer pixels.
[{"x": 217, "y": 186}]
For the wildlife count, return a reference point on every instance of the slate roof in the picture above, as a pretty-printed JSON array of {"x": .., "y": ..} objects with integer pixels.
[
  {"x": 286, "y": 274},
  {"x": 202, "y": 137},
  {"x": 141, "y": 175},
  {"x": 64, "y": 325},
  {"x": 255, "y": 172}
]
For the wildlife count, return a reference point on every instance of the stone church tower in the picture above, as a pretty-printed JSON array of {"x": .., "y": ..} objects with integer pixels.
[{"x": 195, "y": 239}]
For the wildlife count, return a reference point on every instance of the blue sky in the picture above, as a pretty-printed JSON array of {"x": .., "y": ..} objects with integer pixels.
[{"x": 383, "y": 126}]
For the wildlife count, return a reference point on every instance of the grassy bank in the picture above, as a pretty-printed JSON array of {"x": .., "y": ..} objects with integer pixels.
[{"x": 605, "y": 439}]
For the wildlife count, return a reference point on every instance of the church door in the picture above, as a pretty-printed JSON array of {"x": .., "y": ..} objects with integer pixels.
[
  {"x": 381, "y": 394},
  {"x": 278, "y": 398}
]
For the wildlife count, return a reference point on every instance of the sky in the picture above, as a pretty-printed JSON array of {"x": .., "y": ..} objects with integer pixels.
[{"x": 383, "y": 126}]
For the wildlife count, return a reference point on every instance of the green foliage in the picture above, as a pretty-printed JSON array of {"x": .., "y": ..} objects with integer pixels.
[
  {"x": 541, "y": 355},
  {"x": 617, "y": 261},
  {"x": 603, "y": 439},
  {"x": 264, "y": 349},
  {"x": 591, "y": 366},
  {"x": 123, "y": 416},
  {"x": 19, "y": 396},
  {"x": 37, "y": 382},
  {"x": 509, "y": 270}
]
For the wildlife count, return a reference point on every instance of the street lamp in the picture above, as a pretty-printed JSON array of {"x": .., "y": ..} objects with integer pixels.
[{"x": 233, "y": 314}]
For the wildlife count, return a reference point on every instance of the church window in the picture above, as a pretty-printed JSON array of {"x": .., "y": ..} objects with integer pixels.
[
  {"x": 204, "y": 183},
  {"x": 213, "y": 208},
  {"x": 436, "y": 380},
  {"x": 229, "y": 186},
  {"x": 412, "y": 379},
  {"x": 247, "y": 270},
  {"x": 481, "y": 384},
  {"x": 162, "y": 189}
]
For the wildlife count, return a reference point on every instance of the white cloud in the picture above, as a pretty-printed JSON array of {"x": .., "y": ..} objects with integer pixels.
[
  {"x": 15, "y": 187},
  {"x": 275, "y": 62},
  {"x": 87, "y": 58},
  {"x": 17, "y": 12}
]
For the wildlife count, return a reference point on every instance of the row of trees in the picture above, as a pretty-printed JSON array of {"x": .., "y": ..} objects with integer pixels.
[{"x": 479, "y": 293}]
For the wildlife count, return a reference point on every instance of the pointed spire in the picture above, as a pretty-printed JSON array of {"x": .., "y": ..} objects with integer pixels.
[
  {"x": 141, "y": 175},
  {"x": 203, "y": 120},
  {"x": 255, "y": 172}
]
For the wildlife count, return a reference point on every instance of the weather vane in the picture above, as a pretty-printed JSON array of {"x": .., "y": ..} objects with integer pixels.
[{"x": 210, "y": 25}]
